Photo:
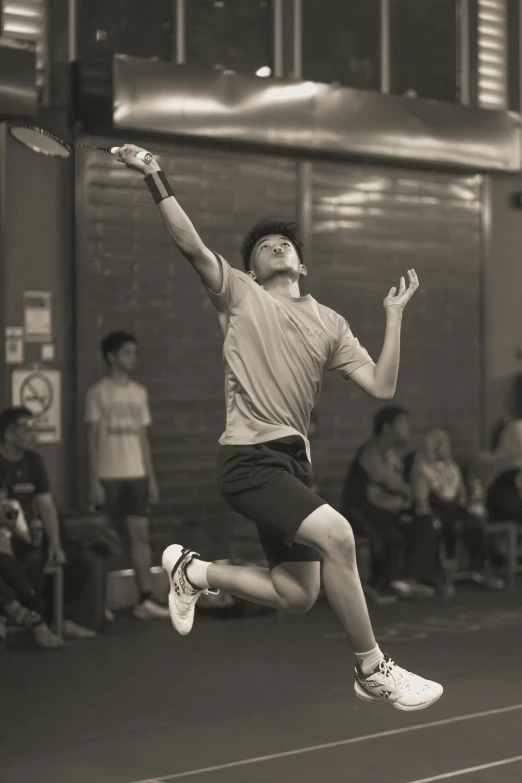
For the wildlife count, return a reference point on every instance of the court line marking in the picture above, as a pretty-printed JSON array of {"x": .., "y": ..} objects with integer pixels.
[
  {"x": 328, "y": 745},
  {"x": 457, "y": 772}
]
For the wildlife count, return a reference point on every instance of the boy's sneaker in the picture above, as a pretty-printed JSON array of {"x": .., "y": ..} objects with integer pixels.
[
  {"x": 46, "y": 639},
  {"x": 182, "y": 596},
  {"x": 488, "y": 580},
  {"x": 72, "y": 630},
  {"x": 400, "y": 688},
  {"x": 409, "y": 588},
  {"x": 149, "y": 609},
  {"x": 381, "y": 597},
  {"x": 402, "y": 587}
]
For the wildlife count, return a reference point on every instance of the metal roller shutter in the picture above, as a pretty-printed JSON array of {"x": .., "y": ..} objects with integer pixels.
[{"x": 370, "y": 225}]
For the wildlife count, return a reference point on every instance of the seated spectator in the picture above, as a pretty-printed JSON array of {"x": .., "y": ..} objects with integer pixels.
[
  {"x": 500, "y": 471},
  {"x": 439, "y": 491},
  {"x": 20, "y": 603},
  {"x": 23, "y": 475},
  {"x": 377, "y": 501}
]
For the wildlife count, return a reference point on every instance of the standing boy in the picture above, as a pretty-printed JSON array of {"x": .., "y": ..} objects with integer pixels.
[{"x": 121, "y": 473}]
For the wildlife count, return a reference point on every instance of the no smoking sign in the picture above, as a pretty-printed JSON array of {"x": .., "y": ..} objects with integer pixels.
[
  {"x": 36, "y": 393},
  {"x": 39, "y": 391}
]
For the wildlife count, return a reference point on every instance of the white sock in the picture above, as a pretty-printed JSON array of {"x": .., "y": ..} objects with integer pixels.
[
  {"x": 196, "y": 572},
  {"x": 370, "y": 660}
]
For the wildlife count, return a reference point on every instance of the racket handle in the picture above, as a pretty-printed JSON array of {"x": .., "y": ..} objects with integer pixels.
[{"x": 146, "y": 157}]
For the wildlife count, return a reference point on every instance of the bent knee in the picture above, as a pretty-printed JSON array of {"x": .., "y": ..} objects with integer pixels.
[
  {"x": 299, "y": 603},
  {"x": 329, "y": 532}
]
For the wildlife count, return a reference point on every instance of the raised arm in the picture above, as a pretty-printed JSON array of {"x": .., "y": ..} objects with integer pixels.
[
  {"x": 380, "y": 379},
  {"x": 179, "y": 226}
]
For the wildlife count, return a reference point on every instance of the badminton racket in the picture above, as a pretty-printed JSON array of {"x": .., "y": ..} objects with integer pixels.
[{"x": 46, "y": 143}]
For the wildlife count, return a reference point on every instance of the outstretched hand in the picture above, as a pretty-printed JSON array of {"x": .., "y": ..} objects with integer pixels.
[
  {"x": 127, "y": 154},
  {"x": 403, "y": 295}
]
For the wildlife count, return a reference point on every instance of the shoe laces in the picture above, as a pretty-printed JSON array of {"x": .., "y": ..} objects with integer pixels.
[
  {"x": 396, "y": 674},
  {"x": 192, "y": 593}
]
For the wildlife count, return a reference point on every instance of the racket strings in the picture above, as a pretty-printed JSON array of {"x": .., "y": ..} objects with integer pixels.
[{"x": 40, "y": 142}]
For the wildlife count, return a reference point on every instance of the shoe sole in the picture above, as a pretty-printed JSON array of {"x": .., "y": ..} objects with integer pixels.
[
  {"x": 166, "y": 561},
  {"x": 364, "y": 696}
]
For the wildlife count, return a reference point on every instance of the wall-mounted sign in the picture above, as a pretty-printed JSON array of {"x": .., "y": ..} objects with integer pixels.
[
  {"x": 40, "y": 392},
  {"x": 48, "y": 352},
  {"x": 37, "y": 316},
  {"x": 14, "y": 345}
]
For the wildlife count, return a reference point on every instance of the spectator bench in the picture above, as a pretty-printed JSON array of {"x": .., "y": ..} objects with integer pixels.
[{"x": 510, "y": 530}]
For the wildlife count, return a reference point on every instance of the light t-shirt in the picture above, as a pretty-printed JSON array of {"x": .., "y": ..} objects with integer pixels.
[
  {"x": 276, "y": 350},
  {"x": 121, "y": 411}
]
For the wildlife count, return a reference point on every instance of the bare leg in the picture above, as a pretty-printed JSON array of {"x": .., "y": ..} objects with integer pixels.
[
  {"x": 328, "y": 532},
  {"x": 141, "y": 554},
  {"x": 292, "y": 587}
]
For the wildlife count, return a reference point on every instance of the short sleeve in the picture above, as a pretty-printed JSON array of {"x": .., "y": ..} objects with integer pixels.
[
  {"x": 233, "y": 289},
  {"x": 348, "y": 354},
  {"x": 39, "y": 475},
  {"x": 92, "y": 406},
  {"x": 145, "y": 417}
]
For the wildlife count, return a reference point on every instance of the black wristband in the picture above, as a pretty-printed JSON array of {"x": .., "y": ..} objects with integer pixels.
[{"x": 158, "y": 185}]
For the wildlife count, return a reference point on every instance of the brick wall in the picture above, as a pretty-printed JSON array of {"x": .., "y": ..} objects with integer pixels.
[{"x": 369, "y": 226}]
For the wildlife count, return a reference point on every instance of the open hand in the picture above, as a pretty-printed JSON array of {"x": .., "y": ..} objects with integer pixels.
[
  {"x": 128, "y": 154},
  {"x": 403, "y": 295}
]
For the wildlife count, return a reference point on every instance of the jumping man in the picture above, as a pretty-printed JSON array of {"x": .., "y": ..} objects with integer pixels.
[{"x": 277, "y": 345}]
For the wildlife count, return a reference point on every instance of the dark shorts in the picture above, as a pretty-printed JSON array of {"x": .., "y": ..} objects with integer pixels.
[
  {"x": 126, "y": 497},
  {"x": 270, "y": 484}
]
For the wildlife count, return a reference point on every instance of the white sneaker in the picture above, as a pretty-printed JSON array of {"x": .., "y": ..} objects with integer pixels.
[
  {"x": 182, "y": 596},
  {"x": 149, "y": 609},
  {"x": 488, "y": 580},
  {"x": 46, "y": 639},
  {"x": 74, "y": 631},
  {"x": 408, "y": 588},
  {"x": 400, "y": 688},
  {"x": 402, "y": 587}
]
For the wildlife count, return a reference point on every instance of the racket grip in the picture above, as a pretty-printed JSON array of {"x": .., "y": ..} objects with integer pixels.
[{"x": 146, "y": 157}]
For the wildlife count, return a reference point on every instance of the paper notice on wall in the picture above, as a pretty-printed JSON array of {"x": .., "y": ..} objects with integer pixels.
[
  {"x": 40, "y": 392},
  {"x": 14, "y": 345},
  {"x": 48, "y": 352},
  {"x": 37, "y": 316}
]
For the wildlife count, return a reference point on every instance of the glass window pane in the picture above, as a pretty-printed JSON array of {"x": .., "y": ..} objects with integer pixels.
[
  {"x": 106, "y": 27},
  {"x": 423, "y": 44},
  {"x": 235, "y": 34},
  {"x": 341, "y": 42}
]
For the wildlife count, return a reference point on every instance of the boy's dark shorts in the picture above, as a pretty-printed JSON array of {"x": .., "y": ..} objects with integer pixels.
[
  {"x": 270, "y": 484},
  {"x": 126, "y": 497}
]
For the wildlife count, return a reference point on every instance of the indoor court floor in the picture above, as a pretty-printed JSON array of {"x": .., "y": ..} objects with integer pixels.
[{"x": 269, "y": 698}]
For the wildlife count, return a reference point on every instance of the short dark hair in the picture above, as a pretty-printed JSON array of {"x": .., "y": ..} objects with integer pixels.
[
  {"x": 11, "y": 416},
  {"x": 114, "y": 341},
  {"x": 265, "y": 228},
  {"x": 387, "y": 415}
]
